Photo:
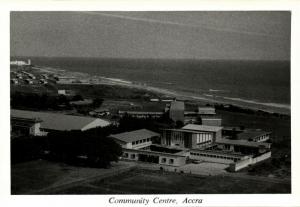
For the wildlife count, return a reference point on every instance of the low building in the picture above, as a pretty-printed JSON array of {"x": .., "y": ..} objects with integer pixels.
[
  {"x": 211, "y": 120},
  {"x": 65, "y": 92},
  {"x": 205, "y": 110},
  {"x": 135, "y": 139},
  {"x": 20, "y": 62},
  {"x": 161, "y": 158},
  {"x": 216, "y": 131},
  {"x": 65, "y": 79},
  {"x": 254, "y": 135},
  {"x": 60, "y": 122},
  {"x": 141, "y": 114},
  {"x": 243, "y": 146},
  {"x": 216, "y": 156},
  {"x": 183, "y": 138},
  {"x": 26, "y": 126},
  {"x": 100, "y": 112}
]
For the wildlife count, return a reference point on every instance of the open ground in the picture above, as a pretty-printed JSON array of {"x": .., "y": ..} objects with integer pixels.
[{"x": 43, "y": 177}]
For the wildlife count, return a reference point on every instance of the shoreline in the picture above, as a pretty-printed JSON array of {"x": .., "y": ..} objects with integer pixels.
[{"x": 211, "y": 99}]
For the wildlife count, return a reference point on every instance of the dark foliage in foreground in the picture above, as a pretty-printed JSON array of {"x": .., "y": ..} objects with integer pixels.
[
  {"x": 38, "y": 101},
  {"x": 27, "y": 148},
  {"x": 92, "y": 148}
]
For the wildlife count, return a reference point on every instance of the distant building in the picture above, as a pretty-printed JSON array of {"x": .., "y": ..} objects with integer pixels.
[
  {"x": 141, "y": 114},
  {"x": 176, "y": 112},
  {"x": 65, "y": 92},
  {"x": 211, "y": 121},
  {"x": 100, "y": 112},
  {"x": 60, "y": 122},
  {"x": 254, "y": 135},
  {"x": 26, "y": 126},
  {"x": 20, "y": 62},
  {"x": 243, "y": 146},
  {"x": 206, "y": 111}
]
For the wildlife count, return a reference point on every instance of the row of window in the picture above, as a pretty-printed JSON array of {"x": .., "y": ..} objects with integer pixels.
[
  {"x": 164, "y": 160},
  {"x": 214, "y": 156},
  {"x": 261, "y": 138},
  {"x": 141, "y": 141}
]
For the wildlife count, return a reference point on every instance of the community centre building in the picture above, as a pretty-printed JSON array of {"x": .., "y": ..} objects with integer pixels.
[{"x": 192, "y": 142}]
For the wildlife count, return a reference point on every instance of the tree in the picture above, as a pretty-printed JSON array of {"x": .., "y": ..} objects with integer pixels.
[
  {"x": 77, "y": 97},
  {"x": 97, "y": 102},
  {"x": 100, "y": 150}
]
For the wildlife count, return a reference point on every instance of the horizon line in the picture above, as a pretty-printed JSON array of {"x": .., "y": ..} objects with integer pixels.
[{"x": 150, "y": 58}]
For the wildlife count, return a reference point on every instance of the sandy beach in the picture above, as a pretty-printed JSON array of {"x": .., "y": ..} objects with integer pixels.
[{"x": 94, "y": 79}]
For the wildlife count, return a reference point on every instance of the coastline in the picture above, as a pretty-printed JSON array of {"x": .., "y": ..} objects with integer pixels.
[{"x": 205, "y": 98}]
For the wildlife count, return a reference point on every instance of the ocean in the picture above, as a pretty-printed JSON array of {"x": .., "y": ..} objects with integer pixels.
[{"x": 260, "y": 84}]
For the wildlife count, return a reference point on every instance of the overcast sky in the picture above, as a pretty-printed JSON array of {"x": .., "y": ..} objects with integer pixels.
[{"x": 197, "y": 35}]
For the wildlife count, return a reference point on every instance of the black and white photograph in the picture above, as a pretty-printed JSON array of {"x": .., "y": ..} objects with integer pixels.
[{"x": 150, "y": 102}]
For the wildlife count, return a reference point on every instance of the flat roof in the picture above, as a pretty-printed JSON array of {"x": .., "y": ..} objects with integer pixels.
[
  {"x": 211, "y": 117},
  {"x": 228, "y": 153},
  {"x": 242, "y": 143},
  {"x": 57, "y": 121},
  {"x": 186, "y": 130},
  {"x": 134, "y": 135},
  {"x": 141, "y": 112},
  {"x": 205, "y": 128},
  {"x": 206, "y": 110},
  {"x": 251, "y": 134}
]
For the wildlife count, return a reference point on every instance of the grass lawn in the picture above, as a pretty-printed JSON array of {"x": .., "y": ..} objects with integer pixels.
[
  {"x": 156, "y": 182},
  {"x": 40, "y": 175}
]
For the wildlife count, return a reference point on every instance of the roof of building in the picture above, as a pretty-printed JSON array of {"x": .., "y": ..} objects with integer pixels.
[
  {"x": 229, "y": 153},
  {"x": 206, "y": 110},
  {"x": 251, "y": 134},
  {"x": 243, "y": 143},
  {"x": 186, "y": 130},
  {"x": 134, "y": 135},
  {"x": 205, "y": 128},
  {"x": 56, "y": 121},
  {"x": 177, "y": 105},
  {"x": 205, "y": 117},
  {"x": 141, "y": 112}
]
